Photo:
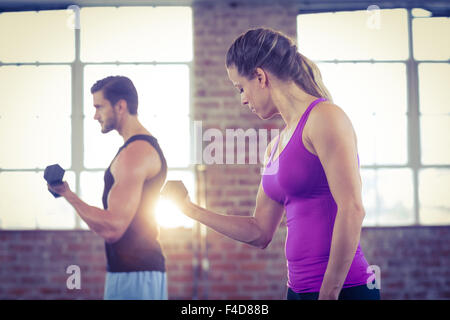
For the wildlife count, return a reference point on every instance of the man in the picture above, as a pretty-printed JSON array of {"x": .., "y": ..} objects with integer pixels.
[{"x": 135, "y": 262}]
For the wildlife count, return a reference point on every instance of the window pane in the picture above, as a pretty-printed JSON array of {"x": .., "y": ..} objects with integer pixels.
[
  {"x": 136, "y": 34},
  {"x": 38, "y": 101},
  {"x": 40, "y": 210},
  {"x": 367, "y": 88},
  {"x": 175, "y": 143},
  {"x": 164, "y": 96},
  {"x": 167, "y": 214},
  {"x": 44, "y": 36},
  {"x": 379, "y": 119},
  {"x": 431, "y": 38},
  {"x": 91, "y": 190},
  {"x": 381, "y": 139},
  {"x": 354, "y": 35},
  {"x": 433, "y": 194},
  {"x": 434, "y": 80},
  {"x": 388, "y": 196},
  {"x": 435, "y": 139},
  {"x": 91, "y": 187}
]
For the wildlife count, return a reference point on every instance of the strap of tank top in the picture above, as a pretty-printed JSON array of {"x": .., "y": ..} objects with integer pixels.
[
  {"x": 131, "y": 139},
  {"x": 305, "y": 115},
  {"x": 137, "y": 137},
  {"x": 312, "y": 105},
  {"x": 273, "y": 149}
]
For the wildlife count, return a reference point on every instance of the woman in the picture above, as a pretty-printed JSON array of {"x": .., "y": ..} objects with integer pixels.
[{"x": 311, "y": 172}]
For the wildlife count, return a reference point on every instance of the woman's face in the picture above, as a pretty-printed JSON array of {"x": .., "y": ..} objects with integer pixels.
[{"x": 254, "y": 93}]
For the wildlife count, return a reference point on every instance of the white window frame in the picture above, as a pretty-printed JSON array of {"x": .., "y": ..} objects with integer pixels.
[
  {"x": 413, "y": 118},
  {"x": 77, "y": 117}
]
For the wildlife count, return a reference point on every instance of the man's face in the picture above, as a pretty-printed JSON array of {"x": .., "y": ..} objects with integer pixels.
[{"x": 104, "y": 112}]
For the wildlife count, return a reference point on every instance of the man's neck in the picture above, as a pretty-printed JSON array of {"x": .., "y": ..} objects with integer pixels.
[{"x": 131, "y": 127}]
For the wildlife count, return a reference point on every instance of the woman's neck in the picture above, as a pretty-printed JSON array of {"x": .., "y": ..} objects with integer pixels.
[{"x": 291, "y": 102}]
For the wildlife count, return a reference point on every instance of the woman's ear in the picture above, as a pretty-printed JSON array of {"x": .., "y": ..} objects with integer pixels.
[{"x": 261, "y": 75}]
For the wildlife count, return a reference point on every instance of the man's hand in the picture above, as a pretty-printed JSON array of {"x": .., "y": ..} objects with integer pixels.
[
  {"x": 177, "y": 192},
  {"x": 62, "y": 189}
]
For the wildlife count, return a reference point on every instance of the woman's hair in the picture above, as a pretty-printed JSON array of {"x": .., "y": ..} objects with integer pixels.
[
  {"x": 116, "y": 88},
  {"x": 278, "y": 54}
]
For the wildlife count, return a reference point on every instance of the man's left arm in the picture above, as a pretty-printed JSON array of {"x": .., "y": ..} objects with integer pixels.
[{"x": 334, "y": 140}]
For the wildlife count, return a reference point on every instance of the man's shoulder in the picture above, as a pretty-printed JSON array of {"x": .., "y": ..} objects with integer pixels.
[
  {"x": 139, "y": 154},
  {"x": 138, "y": 151}
]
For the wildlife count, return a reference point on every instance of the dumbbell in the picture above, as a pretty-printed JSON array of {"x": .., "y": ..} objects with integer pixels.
[{"x": 53, "y": 175}]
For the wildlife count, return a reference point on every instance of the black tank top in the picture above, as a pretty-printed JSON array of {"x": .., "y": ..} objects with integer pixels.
[{"x": 139, "y": 248}]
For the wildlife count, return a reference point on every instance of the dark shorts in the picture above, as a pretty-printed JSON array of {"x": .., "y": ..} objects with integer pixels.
[{"x": 353, "y": 293}]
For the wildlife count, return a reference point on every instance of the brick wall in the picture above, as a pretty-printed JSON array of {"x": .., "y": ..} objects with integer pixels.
[
  {"x": 414, "y": 261},
  {"x": 414, "y": 264},
  {"x": 33, "y": 264}
]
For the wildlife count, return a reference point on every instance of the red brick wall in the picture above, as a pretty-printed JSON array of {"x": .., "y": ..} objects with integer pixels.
[
  {"x": 414, "y": 261},
  {"x": 33, "y": 264}
]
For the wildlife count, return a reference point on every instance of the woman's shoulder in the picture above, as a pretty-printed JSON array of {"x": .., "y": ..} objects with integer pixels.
[
  {"x": 327, "y": 113},
  {"x": 326, "y": 108},
  {"x": 327, "y": 118}
]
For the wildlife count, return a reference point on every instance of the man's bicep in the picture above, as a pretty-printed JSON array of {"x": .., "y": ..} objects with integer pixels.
[
  {"x": 125, "y": 195},
  {"x": 130, "y": 171}
]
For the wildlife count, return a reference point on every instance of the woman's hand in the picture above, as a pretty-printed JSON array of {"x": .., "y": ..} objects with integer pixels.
[{"x": 177, "y": 192}]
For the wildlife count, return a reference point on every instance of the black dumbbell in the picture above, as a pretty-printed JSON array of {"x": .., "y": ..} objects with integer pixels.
[{"x": 53, "y": 175}]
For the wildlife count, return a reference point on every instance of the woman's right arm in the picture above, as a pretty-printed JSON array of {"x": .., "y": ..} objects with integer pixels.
[{"x": 256, "y": 230}]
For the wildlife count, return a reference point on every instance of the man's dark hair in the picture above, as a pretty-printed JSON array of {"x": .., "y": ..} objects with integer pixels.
[{"x": 118, "y": 87}]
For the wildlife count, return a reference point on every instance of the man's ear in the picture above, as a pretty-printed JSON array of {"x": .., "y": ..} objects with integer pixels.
[
  {"x": 122, "y": 106},
  {"x": 261, "y": 75}
]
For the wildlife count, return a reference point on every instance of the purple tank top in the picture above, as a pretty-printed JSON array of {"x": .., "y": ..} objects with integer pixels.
[{"x": 297, "y": 180}]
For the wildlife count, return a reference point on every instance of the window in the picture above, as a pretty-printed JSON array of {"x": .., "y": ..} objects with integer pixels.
[
  {"x": 36, "y": 36},
  {"x": 385, "y": 69},
  {"x": 46, "y": 71}
]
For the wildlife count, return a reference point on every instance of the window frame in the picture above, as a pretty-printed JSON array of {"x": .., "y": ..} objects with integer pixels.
[
  {"x": 77, "y": 118},
  {"x": 413, "y": 118}
]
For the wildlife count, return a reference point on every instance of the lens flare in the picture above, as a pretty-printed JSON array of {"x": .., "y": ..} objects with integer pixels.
[{"x": 169, "y": 216}]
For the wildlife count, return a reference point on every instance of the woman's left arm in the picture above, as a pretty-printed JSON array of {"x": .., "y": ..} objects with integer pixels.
[{"x": 333, "y": 138}]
